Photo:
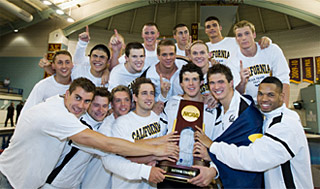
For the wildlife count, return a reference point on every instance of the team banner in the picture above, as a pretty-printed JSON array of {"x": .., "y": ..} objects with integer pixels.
[
  {"x": 295, "y": 71},
  {"x": 194, "y": 31},
  {"x": 317, "y": 59},
  {"x": 307, "y": 69}
]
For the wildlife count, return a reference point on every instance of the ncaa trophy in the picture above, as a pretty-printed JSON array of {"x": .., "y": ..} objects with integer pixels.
[{"x": 190, "y": 114}]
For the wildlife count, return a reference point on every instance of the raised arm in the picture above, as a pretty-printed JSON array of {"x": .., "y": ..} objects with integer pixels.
[{"x": 80, "y": 57}]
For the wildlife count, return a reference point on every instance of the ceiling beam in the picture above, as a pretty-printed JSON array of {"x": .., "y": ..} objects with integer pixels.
[
  {"x": 37, "y": 17},
  {"x": 102, "y": 15},
  {"x": 285, "y": 9},
  {"x": 261, "y": 21},
  {"x": 133, "y": 20},
  {"x": 287, "y": 21}
]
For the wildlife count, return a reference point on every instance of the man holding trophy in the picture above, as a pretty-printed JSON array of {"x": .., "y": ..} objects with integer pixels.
[{"x": 181, "y": 115}]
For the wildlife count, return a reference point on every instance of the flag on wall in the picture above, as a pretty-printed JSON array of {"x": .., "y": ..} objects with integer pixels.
[
  {"x": 295, "y": 70},
  {"x": 317, "y": 59},
  {"x": 308, "y": 69}
]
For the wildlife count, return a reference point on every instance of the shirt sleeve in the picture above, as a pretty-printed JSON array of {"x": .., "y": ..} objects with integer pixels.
[
  {"x": 265, "y": 153},
  {"x": 79, "y": 57},
  {"x": 280, "y": 68},
  {"x": 125, "y": 168}
]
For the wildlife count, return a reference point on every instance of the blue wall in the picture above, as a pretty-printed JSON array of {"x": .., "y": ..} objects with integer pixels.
[{"x": 23, "y": 72}]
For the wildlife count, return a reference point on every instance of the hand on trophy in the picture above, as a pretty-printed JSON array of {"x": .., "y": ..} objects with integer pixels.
[
  {"x": 205, "y": 177},
  {"x": 156, "y": 175},
  {"x": 171, "y": 137},
  {"x": 167, "y": 149},
  {"x": 202, "y": 137},
  {"x": 200, "y": 151}
]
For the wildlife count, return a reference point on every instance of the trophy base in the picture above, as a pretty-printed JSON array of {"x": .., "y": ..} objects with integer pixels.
[{"x": 178, "y": 173}]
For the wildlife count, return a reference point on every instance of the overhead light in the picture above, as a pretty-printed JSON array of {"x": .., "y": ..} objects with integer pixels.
[
  {"x": 46, "y": 2},
  {"x": 60, "y": 12},
  {"x": 15, "y": 30},
  {"x": 70, "y": 20}
]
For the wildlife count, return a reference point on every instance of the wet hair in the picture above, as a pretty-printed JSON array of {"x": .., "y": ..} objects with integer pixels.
[
  {"x": 84, "y": 83},
  {"x": 220, "y": 69},
  {"x": 138, "y": 82},
  {"x": 120, "y": 88},
  {"x": 166, "y": 42},
  {"x": 210, "y": 18},
  {"x": 103, "y": 92},
  {"x": 190, "y": 67},
  {"x": 65, "y": 52},
  {"x": 101, "y": 47},
  {"x": 242, "y": 24},
  {"x": 273, "y": 80},
  {"x": 151, "y": 24},
  {"x": 174, "y": 31},
  {"x": 133, "y": 45},
  {"x": 198, "y": 42}
]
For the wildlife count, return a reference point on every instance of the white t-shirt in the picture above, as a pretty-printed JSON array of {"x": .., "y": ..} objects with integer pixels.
[
  {"x": 266, "y": 62},
  {"x": 101, "y": 169},
  {"x": 72, "y": 173},
  {"x": 180, "y": 52},
  {"x": 82, "y": 65},
  {"x": 134, "y": 127},
  {"x": 175, "y": 88},
  {"x": 151, "y": 58},
  {"x": 37, "y": 143},
  {"x": 44, "y": 89},
  {"x": 119, "y": 75},
  {"x": 224, "y": 49}
]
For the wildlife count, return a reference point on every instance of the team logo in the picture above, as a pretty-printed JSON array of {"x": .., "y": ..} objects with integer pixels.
[
  {"x": 190, "y": 113},
  {"x": 254, "y": 137}
]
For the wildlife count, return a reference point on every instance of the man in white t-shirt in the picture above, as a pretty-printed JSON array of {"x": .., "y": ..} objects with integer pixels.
[
  {"x": 223, "y": 48},
  {"x": 96, "y": 176},
  {"x": 165, "y": 74},
  {"x": 142, "y": 123},
  {"x": 190, "y": 78},
  {"x": 256, "y": 64},
  {"x": 55, "y": 84},
  {"x": 150, "y": 33},
  {"x": 38, "y": 143},
  {"x": 182, "y": 36},
  {"x": 95, "y": 68},
  {"x": 125, "y": 74}
]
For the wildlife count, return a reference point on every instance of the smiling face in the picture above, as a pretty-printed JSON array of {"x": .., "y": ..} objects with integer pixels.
[
  {"x": 245, "y": 37},
  {"x": 99, "y": 108},
  {"x": 199, "y": 55},
  {"x": 182, "y": 36},
  {"x": 121, "y": 103},
  {"x": 150, "y": 35},
  {"x": 98, "y": 62},
  {"x": 62, "y": 65},
  {"x": 167, "y": 56},
  {"x": 213, "y": 29},
  {"x": 220, "y": 88},
  {"x": 78, "y": 101},
  {"x": 191, "y": 84},
  {"x": 145, "y": 98},
  {"x": 135, "y": 60},
  {"x": 269, "y": 97}
]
